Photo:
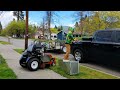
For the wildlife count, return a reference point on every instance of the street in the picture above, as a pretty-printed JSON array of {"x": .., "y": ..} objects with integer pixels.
[
  {"x": 97, "y": 66},
  {"x": 20, "y": 43}
]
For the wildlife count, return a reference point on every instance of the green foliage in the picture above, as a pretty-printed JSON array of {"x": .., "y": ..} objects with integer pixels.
[
  {"x": 4, "y": 43},
  {"x": 60, "y": 28},
  {"x": 54, "y": 30},
  {"x": 20, "y": 51},
  {"x": 98, "y": 20},
  {"x": 5, "y": 71},
  {"x": 4, "y": 32},
  {"x": 17, "y": 28}
]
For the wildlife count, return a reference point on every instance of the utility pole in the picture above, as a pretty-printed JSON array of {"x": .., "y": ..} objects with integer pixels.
[{"x": 26, "y": 31}]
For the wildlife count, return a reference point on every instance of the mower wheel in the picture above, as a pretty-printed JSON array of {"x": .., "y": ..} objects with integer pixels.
[
  {"x": 33, "y": 64},
  {"x": 21, "y": 64},
  {"x": 24, "y": 66}
]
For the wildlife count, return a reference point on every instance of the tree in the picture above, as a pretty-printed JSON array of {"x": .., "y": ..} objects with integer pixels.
[
  {"x": 18, "y": 29},
  {"x": 50, "y": 18},
  {"x": 111, "y": 18},
  {"x": 96, "y": 20},
  {"x": 60, "y": 28},
  {"x": 77, "y": 27},
  {"x": 0, "y": 27},
  {"x": 54, "y": 30},
  {"x": 55, "y": 27},
  {"x": 43, "y": 26},
  {"x": 79, "y": 15},
  {"x": 19, "y": 15}
]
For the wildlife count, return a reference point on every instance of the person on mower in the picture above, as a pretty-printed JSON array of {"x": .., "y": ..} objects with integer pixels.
[{"x": 69, "y": 40}]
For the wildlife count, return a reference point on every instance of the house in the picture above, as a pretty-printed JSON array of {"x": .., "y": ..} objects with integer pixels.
[{"x": 39, "y": 33}]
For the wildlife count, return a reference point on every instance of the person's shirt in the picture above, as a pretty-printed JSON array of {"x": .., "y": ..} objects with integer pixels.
[{"x": 69, "y": 38}]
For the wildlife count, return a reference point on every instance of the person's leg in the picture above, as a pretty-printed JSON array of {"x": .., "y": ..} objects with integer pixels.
[
  {"x": 66, "y": 56},
  {"x": 68, "y": 52},
  {"x": 68, "y": 49}
]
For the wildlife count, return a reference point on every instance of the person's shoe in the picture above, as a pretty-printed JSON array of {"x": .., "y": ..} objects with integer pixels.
[{"x": 65, "y": 60}]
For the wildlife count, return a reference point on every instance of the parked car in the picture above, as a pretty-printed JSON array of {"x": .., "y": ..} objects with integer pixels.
[{"x": 103, "y": 46}]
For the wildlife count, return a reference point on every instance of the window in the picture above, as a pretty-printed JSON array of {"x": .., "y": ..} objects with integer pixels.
[
  {"x": 118, "y": 36},
  {"x": 103, "y": 36}
]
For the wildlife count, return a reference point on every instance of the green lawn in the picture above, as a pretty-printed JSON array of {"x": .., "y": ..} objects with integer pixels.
[
  {"x": 5, "y": 71},
  {"x": 85, "y": 73},
  {"x": 19, "y": 50},
  {"x": 4, "y": 43}
]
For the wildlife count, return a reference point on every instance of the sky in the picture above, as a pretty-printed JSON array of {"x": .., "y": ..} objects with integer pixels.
[{"x": 64, "y": 18}]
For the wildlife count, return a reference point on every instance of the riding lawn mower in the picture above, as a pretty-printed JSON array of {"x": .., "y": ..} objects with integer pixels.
[{"x": 34, "y": 57}]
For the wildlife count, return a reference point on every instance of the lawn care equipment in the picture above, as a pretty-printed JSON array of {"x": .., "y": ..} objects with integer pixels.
[{"x": 34, "y": 57}]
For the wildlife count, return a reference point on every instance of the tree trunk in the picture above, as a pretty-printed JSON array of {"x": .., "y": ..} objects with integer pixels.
[
  {"x": 49, "y": 22},
  {"x": 81, "y": 15},
  {"x": 43, "y": 26},
  {"x": 18, "y": 16}
]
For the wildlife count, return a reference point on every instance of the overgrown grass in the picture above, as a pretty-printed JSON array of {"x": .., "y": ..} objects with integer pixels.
[
  {"x": 5, "y": 71},
  {"x": 85, "y": 73},
  {"x": 4, "y": 43},
  {"x": 20, "y": 51}
]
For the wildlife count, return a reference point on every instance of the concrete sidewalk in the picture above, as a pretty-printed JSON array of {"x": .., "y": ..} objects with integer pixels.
[{"x": 12, "y": 59}]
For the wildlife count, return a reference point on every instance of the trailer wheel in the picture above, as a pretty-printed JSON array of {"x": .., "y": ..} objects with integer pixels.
[
  {"x": 33, "y": 64},
  {"x": 64, "y": 49}
]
